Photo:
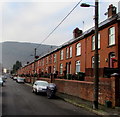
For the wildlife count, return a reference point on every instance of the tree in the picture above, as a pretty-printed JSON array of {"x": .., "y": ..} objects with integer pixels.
[{"x": 16, "y": 66}]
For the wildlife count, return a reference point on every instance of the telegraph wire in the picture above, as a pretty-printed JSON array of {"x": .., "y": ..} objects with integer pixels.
[
  {"x": 60, "y": 23},
  {"x": 57, "y": 26}
]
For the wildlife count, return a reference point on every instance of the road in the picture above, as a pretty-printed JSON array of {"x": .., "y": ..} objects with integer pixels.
[{"x": 18, "y": 99}]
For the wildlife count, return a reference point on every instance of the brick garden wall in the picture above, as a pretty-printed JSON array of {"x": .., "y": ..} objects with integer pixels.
[{"x": 84, "y": 89}]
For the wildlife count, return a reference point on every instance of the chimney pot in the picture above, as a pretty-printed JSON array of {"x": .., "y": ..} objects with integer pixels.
[
  {"x": 111, "y": 11},
  {"x": 77, "y": 32}
]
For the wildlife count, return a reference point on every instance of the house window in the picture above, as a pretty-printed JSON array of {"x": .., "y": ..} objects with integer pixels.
[
  {"x": 47, "y": 60},
  {"x": 77, "y": 66},
  {"x": 112, "y": 60},
  {"x": 43, "y": 62},
  {"x": 70, "y": 68},
  {"x": 93, "y": 61},
  {"x": 61, "y": 68},
  {"x": 112, "y": 36},
  {"x": 54, "y": 58},
  {"x": 78, "y": 49},
  {"x": 93, "y": 42},
  {"x": 67, "y": 53},
  {"x": 54, "y": 69},
  {"x": 67, "y": 68},
  {"x": 46, "y": 68},
  {"x": 40, "y": 63},
  {"x": 61, "y": 55},
  {"x": 50, "y": 59},
  {"x": 71, "y": 52}
]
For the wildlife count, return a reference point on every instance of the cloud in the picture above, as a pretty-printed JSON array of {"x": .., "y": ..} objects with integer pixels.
[
  {"x": 30, "y": 20},
  {"x": 33, "y": 21}
]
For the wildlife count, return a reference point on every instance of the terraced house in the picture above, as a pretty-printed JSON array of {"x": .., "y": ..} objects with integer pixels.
[{"x": 77, "y": 55}]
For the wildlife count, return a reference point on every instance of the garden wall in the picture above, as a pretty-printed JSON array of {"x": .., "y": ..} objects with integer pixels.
[{"x": 108, "y": 89}]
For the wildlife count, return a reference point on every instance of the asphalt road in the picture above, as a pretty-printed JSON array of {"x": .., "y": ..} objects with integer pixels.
[{"x": 18, "y": 99}]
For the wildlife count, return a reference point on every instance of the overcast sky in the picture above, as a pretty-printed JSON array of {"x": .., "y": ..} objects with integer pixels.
[{"x": 33, "y": 20}]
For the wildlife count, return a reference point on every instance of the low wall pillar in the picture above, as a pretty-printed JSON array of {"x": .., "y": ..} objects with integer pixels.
[{"x": 115, "y": 85}]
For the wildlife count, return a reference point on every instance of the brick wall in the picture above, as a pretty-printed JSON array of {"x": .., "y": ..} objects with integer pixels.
[{"x": 84, "y": 89}]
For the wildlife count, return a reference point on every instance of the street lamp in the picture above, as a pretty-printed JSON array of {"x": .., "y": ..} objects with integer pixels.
[
  {"x": 86, "y": 5},
  {"x": 96, "y": 79}
]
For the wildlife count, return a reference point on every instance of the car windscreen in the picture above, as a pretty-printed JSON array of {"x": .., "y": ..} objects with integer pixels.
[
  {"x": 20, "y": 78},
  {"x": 42, "y": 83}
]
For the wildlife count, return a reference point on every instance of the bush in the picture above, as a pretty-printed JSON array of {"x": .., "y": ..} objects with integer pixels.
[
  {"x": 22, "y": 75},
  {"x": 69, "y": 76},
  {"x": 81, "y": 75},
  {"x": 35, "y": 75},
  {"x": 47, "y": 75}
]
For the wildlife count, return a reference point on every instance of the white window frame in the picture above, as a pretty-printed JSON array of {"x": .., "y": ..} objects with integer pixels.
[
  {"x": 70, "y": 51},
  {"x": 93, "y": 61},
  {"x": 55, "y": 58},
  {"x": 54, "y": 69},
  {"x": 50, "y": 59},
  {"x": 67, "y": 68},
  {"x": 46, "y": 60},
  {"x": 111, "y": 32},
  {"x": 61, "y": 68},
  {"x": 78, "y": 49},
  {"x": 93, "y": 42},
  {"x": 47, "y": 69},
  {"x": 70, "y": 68},
  {"x": 77, "y": 66},
  {"x": 42, "y": 62},
  {"x": 61, "y": 55},
  {"x": 67, "y": 53}
]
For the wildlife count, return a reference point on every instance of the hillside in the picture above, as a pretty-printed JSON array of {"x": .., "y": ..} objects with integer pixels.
[{"x": 13, "y": 51}]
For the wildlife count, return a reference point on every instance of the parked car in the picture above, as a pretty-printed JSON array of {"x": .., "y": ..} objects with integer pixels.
[
  {"x": 15, "y": 78},
  {"x": 51, "y": 90},
  {"x": 1, "y": 81},
  {"x": 3, "y": 78},
  {"x": 39, "y": 87},
  {"x": 20, "y": 80}
]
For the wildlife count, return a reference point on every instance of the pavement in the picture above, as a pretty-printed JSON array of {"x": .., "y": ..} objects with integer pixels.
[{"x": 102, "y": 110}]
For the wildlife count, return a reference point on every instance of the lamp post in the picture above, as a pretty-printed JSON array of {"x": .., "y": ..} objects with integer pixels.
[{"x": 96, "y": 79}]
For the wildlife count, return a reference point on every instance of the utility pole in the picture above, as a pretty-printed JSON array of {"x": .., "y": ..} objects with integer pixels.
[
  {"x": 96, "y": 75},
  {"x": 96, "y": 79},
  {"x": 34, "y": 64}
]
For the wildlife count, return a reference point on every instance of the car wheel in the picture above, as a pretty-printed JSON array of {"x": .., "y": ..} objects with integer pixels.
[
  {"x": 32, "y": 90},
  {"x": 49, "y": 94},
  {"x": 36, "y": 92}
]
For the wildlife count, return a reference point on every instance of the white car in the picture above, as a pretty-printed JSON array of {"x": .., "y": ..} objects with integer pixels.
[
  {"x": 14, "y": 78},
  {"x": 20, "y": 80},
  {"x": 40, "y": 86},
  {"x": 1, "y": 81}
]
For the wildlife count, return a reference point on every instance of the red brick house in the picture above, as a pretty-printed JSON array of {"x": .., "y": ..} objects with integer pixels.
[{"x": 77, "y": 55}]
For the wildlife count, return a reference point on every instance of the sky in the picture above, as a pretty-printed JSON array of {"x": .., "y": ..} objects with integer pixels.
[{"x": 33, "y": 20}]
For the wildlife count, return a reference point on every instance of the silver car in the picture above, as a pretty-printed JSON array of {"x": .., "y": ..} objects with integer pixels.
[{"x": 39, "y": 87}]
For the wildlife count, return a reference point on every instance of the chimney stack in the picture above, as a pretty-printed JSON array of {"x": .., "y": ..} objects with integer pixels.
[
  {"x": 111, "y": 11},
  {"x": 77, "y": 32}
]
